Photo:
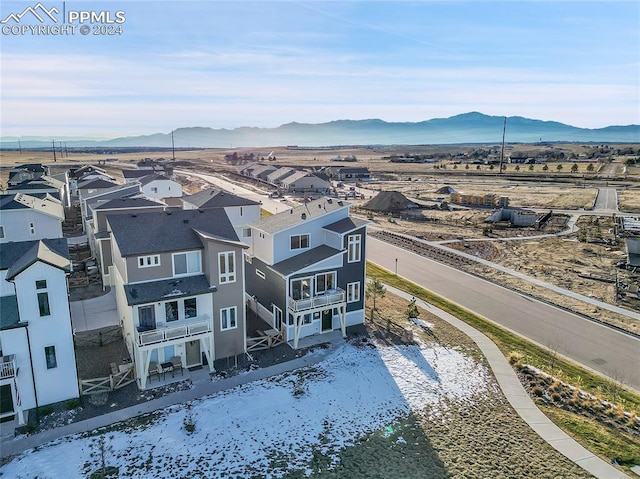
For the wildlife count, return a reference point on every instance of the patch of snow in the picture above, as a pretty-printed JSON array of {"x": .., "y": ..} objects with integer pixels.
[{"x": 239, "y": 432}]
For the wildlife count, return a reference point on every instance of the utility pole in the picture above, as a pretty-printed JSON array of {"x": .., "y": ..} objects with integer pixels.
[
  {"x": 19, "y": 147},
  {"x": 53, "y": 143},
  {"x": 173, "y": 148},
  {"x": 504, "y": 130}
]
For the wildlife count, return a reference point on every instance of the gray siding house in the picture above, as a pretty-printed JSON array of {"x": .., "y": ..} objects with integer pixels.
[
  {"x": 305, "y": 270},
  {"x": 179, "y": 287}
]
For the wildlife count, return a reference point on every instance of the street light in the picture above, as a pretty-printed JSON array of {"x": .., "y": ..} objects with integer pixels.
[{"x": 396, "y": 266}]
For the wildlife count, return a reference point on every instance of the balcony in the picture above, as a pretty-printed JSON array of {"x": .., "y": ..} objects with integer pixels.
[
  {"x": 328, "y": 298},
  {"x": 7, "y": 366},
  {"x": 187, "y": 328}
]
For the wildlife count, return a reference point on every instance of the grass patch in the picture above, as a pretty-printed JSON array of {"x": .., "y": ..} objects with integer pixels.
[
  {"x": 598, "y": 438},
  {"x": 512, "y": 346}
]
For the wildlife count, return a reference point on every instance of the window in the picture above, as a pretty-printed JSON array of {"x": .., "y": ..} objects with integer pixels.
[
  {"x": 260, "y": 274},
  {"x": 43, "y": 298},
  {"x": 226, "y": 263},
  {"x": 32, "y": 228},
  {"x": 146, "y": 318},
  {"x": 50, "y": 356},
  {"x": 1, "y": 231},
  {"x": 325, "y": 282},
  {"x": 241, "y": 211},
  {"x": 246, "y": 232},
  {"x": 147, "y": 261},
  {"x": 190, "y": 308},
  {"x": 154, "y": 189},
  {"x": 353, "y": 248},
  {"x": 186, "y": 263},
  {"x": 353, "y": 292},
  {"x": 301, "y": 288},
  {"x": 171, "y": 310},
  {"x": 228, "y": 318},
  {"x": 300, "y": 241}
]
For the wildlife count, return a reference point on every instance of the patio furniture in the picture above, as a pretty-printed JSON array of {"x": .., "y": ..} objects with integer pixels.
[
  {"x": 154, "y": 369},
  {"x": 177, "y": 364},
  {"x": 165, "y": 368}
]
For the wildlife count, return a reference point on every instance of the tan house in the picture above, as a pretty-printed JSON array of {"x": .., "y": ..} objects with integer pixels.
[{"x": 179, "y": 285}]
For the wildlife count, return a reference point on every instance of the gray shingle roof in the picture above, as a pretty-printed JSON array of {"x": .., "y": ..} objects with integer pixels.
[
  {"x": 311, "y": 210},
  {"x": 127, "y": 203},
  {"x": 97, "y": 183},
  {"x": 217, "y": 199},
  {"x": 157, "y": 232},
  {"x": 9, "y": 317},
  {"x": 136, "y": 173},
  {"x": 145, "y": 180},
  {"x": 11, "y": 252},
  {"x": 303, "y": 260},
  {"x": 345, "y": 225},
  {"x": 167, "y": 289},
  {"x": 50, "y": 252}
]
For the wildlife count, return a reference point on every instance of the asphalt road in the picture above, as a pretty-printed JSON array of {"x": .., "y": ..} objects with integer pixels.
[
  {"x": 607, "y": 199},
  {"x": 590, "y": 344}
]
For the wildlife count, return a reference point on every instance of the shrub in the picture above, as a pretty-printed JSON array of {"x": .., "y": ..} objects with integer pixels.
[
  {"x": 555, "y": 397},
  {"x": 537, "y": 391},
  {"x": 45, "y": 410},
  {"x": 515, "y": 359},
  {"x": 72, "y": 404}
]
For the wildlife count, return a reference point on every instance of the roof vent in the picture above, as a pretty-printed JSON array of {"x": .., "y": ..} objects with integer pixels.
[
  {"x": 185, "y": 221},
  {"x": 303, "y": 216},
  {"x": 291, "y": 211},
  {"x": 319, "y": 205},
  {"x": 329, "y": 200},
  {"x": 340, "y": 202},
  {"x": 134, "y": 216}
]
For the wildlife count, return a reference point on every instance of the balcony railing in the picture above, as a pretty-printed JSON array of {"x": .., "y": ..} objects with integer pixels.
[
  {"x": 7, "y": 366},
  {"x": 329, "y": 298},
  {"x": 175, "y": 330}
]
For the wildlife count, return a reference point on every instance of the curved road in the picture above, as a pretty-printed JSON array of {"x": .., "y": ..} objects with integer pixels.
[{"x": 597, "y": 347}]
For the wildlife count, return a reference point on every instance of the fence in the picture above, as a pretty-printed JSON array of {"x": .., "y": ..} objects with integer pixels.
[
  {"x": 91, "y": 339},
  {"x": 108, "y": 383}
]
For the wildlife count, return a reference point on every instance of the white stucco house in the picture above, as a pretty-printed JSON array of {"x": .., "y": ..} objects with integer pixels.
[
  {"x": 37, "y": 360},
  {"x": 29, "y": 217}
]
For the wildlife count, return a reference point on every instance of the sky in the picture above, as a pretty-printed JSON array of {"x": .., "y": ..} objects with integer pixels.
[{"x": 173, "y": 64}]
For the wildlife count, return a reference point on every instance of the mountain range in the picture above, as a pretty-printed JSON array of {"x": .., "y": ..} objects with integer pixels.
[{"x": 471, "y": 127}]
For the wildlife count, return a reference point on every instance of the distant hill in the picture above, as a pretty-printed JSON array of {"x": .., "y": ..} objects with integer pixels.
[{"x": 471, "y": 127}]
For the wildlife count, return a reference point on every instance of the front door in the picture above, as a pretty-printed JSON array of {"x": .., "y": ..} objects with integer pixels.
[
  {"x": 147, "y": 318},
  {"x": 6, "y": 402},
  {"x": 194, "y": 358},
  {"x": 327, "y": 320}
]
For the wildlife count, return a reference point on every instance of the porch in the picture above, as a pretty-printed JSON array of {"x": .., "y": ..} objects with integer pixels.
[
  {"x": 331, "y": 297},
  {"x": 191, "y": 329},
  {"x": 7, "y": 366}
]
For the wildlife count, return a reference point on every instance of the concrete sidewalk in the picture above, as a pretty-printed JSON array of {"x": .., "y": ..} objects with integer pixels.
[
  {"x": 202, "y": 386},
  {"x": 520, "y": 400}
]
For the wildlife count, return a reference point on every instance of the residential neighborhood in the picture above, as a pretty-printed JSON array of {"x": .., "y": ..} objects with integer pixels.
[{"x": 185, "y": 277}]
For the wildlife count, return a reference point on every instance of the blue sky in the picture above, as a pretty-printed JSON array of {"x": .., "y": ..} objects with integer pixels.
[{"x": 240, "y": 63}]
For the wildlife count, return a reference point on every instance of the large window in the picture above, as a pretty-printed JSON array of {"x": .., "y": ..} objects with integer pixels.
[
  {"x": 353, "y": 292},
  {"x": 146, "y": 318},
  {"x": 325, "y": 282},
  {"x": 353, "y": 247},
  {"x": 300, "y": 241},
  {"x": 301, "y": 288},
  {"x": 50, "y": 356},
  {"x": 190, "y": 308},
  {"x": 186, "y": 263},
  {"x": 228, "y": 318},
  {"x": 43, "y": 298},
  {"x": 1, "y": 231},
  {"x": 148, "y": 261},
  {"x": 227, "y": 267},
  {"x": 171, "y": 310}
]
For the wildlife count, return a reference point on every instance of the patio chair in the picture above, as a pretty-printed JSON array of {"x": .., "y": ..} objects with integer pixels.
[
  {"x": 154, "y": 368},
  {"x": 177, "y": 364}
]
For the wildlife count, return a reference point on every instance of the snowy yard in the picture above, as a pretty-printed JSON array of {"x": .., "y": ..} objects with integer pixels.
[{"x": 272, "y": 427}]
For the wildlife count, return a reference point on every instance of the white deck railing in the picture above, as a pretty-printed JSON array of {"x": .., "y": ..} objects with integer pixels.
[
  {"x": 176, "y": 330},
  {"x": 336, "y": 296},
  {"x": 7, "y": 366}
]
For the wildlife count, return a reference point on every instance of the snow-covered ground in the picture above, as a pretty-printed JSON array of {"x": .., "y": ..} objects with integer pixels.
[{"x": 274, "y": 425}]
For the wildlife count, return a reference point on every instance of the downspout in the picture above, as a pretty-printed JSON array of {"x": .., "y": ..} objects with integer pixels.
[{"x": 33, "y": 376}]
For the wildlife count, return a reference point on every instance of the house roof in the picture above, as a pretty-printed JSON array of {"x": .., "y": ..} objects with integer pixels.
[
  {"x": 311, "y": 210},
  {"x": 97, "y": 183},
  {"x": 43, "y": 203},
  {"x": 157, "y": 232},
  {"x": 217, "y": 199},
  {"x": 346, "y": 224},
  {"x": 127, "y": 202},
  {"x": 10, "y": 317},
  {"x": 17, "y": 257},
  {"x": 167, "y": 289},
  {"x": 145, "y": 180},
  {"x": 86, "y": 169},
  {"x": 296, "y": 176},
  {"x": 306, "y": 259},
  {"x": 280, "y": 173},
  {"x": 136, "y": 173},
  {"x": 353, "y": 169}
]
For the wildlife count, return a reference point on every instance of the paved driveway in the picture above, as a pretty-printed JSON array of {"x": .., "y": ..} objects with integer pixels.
[{"x": 94, "y": 313}]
